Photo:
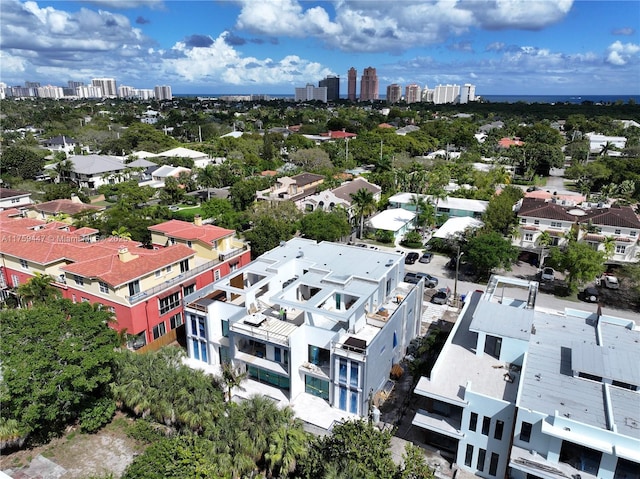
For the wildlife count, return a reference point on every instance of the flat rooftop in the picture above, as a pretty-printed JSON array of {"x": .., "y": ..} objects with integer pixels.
[
  {"x": 460, "y": 365},
  {"x": 565, "y": 345}
]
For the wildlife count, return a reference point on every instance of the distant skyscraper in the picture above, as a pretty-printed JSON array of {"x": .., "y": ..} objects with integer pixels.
[
  {"x": 332, "y": 83},
  {"x": 369, "y": 85},
  {"x": 446, "y": 94},
  {"x": 413, "y": 93},
  {"x": 310, "y": 92},
  {"x": 468, "y": 93},
  {"x": 394, "y": 93},
  {"x": 351, "y": 85},
  {"x": 163, "y": 92},
  {"x": 108, "y": 86}
]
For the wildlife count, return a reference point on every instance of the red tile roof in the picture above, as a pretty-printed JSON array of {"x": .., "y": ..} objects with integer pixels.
[
  {"x": 65, "y": 206},
  {"x": 190, "y": 232},
  {"x": 535, "y": 208},
  {"x": 339, "y": 134},
  {"x": 110, "y": 269},
  {"x": 620, "y": 216}
]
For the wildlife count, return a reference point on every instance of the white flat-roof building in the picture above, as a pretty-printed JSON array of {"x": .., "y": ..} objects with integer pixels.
[
  {"x": 522, "y": 392},
  {"x": 450, "y": 206},
  {"x": 318, "y": 324}
]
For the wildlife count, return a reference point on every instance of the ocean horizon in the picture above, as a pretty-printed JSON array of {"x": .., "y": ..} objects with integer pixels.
[{"x": 550, "y": 99}]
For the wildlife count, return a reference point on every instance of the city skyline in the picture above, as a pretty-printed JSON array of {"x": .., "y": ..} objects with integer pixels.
[{"x": 502, "y": 47}]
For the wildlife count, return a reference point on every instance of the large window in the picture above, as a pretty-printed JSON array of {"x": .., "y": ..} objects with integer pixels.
[
  {"x": 199, "y": 350},
  {"x": 343, "y": 371},
  {"x": 225, "y": 328},
  {"x": 493, "y": 465},
  {"x": 184, "y": 266},
  {"x": 134, "y": 287},
  {"x": 104, "y": 287},
  {"x": 486, "y": 424},
  {"x": 482, "y": 453},
  {"x": 473, "y": 421},
  {"x": 499, "y": 430},
  {"x": 187, "y": 290},
  {"x": 316, "y": 387},
  {"x": 170, "y": 302},
  {"x": 198, "y": 327},
  {"x": 318, "y": 356},
  {"x": 355, "y": 369},
  {"x": 79, "y": 280},
  {"x": 468, "y": 456},
  {"x": 525, "y": 431},
  {"x": 175, "y": 320},
  {"x": 159, "y": 330},
  {"x": 268, "y": 377}
]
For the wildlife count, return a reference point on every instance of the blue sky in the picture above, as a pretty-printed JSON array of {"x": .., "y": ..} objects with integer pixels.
[{"x": 504, "y": 47}]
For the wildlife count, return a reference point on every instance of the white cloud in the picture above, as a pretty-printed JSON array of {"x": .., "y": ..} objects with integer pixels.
[
  {"x": 126, "y": 4},
  {"x": 622, "y": 53},
  {"x": 221, "y": 63},
  {"x": 361, "y": 25}
]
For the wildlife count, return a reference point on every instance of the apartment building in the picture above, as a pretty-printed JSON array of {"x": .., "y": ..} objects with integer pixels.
[
  {"x": 413, "y": 93},
  {"x": 394, "y": 93},
  {"x": 311, "y": 323},
  {"x": 369, "y": 85},
  {"x": 593, "y": 224},
  {"x": 332, "y": 84},
  {"x": 352, "y": 80},
  {"x": 142, "y": 287},
  {"x": 107, "y": 85},
  {"x": 524, "y": 392},
  {"x": 311, "y": 93}
]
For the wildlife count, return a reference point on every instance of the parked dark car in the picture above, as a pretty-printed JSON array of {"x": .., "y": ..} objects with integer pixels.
[
  {"x": 429, "y": 281},
  {"x": 426, "y": 258},
  {"x": 411, "y": 278},
  {"x": 411, "y": 258},
  {"x": 590, "y": 294},
  {"x": 442, "y": 296}
]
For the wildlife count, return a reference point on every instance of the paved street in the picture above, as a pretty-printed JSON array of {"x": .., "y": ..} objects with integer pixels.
[{"x": 522, "y": 270}]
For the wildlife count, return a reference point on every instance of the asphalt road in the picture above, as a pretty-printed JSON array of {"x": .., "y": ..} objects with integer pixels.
[{"x": 543, "y": 300}]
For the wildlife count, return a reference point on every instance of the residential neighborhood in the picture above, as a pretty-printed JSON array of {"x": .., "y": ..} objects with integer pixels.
[{"x": 462, "y": 293}]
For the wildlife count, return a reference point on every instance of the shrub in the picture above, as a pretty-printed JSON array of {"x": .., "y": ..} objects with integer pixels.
[{"x": 98, "y": 414}]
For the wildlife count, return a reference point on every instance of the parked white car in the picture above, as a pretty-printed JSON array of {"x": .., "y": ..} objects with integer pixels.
[
  {"x": 610, "y": 281},
  {"x": 547, "y": 274}
]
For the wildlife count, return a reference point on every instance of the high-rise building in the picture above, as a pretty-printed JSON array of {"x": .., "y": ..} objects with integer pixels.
[
  {"x": 369, "y": 85},
  {"x": 332, "y": 83},
  {"x": 163, "y": 92},
  {"x": 394, "y": 93},
  {"x": 413, "y": 93},
  {"x": 311, "y": 92},
  {"x": 468, "y": 93},
  {"x": 446, "y": 94},
  {"x": 108, "y": 86},
  {"x": 351, "y": 85}
]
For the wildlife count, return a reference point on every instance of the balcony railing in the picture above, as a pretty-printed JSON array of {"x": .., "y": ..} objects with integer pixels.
[
  {"x": 136, "y": 298},
  {"x": 234, "y": 252},
  {"x": 259, "y": 333}
]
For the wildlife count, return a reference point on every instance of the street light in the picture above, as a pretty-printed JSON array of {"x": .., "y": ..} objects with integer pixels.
[{"x": 455, "y": 287}]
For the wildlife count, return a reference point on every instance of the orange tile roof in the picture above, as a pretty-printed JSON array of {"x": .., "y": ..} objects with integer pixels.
[
  {"x": 110, "y": 269},
  {"x": 188, "y": 231},
  {"x": 65, "y": 206}
]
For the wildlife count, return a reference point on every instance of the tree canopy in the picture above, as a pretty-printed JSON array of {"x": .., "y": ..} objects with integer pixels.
[{"x": 56, "y": 364}]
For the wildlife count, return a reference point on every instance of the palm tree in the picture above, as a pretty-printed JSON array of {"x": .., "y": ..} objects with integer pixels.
[
  {"x": 424, "y": 209},
  {"x": 544, "y": 240},
  {"x": 609, "y": 246},
  {"x": 231, "y": 378},
  {"x": 38, "y": 290},
  {"x": 606, "y": 148},
  {"x": 122, "y": 232},
  {"x": 208, "y": 178},
  {"x": 364, "y": 204},
  {"x": 64, "y": 170},
  {"x": 287, "y": 445}
]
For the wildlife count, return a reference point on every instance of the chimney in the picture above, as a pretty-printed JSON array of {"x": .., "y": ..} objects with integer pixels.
[
  {"x": 125, "y": 256},
  {"x": 197, "y": 220}
]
